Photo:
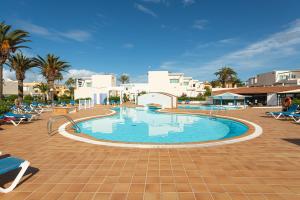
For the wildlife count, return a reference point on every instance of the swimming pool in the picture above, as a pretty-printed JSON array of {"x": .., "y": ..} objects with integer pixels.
[
  {"x": 140, "y": 125},
  {"x": 208, "y": 107}
]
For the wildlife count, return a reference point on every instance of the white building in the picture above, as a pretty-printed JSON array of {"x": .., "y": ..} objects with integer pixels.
[
  {"x": 96, "y": 87},
  {"x": 174, "y": 83},
  {"x": 133, "y": 89},
  {"x": 285, "y": 78},
  {"x": 100, "y": 87}
]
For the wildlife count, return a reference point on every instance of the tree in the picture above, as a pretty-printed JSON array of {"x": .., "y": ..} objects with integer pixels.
[
  {"x": 124, "y": 78},
  {"x": 237, "y": 82},
  {"x": 10, "y": 41},
  {"x": 51, "y": 68},
  {"x": 226, "y": 75},
  {"x": 20, "y": 64},
  {"x": 70, "y": 83},
  {"x": 215, "y": 83},
  {"x": 207, "y": 91},
  {"x": 43, "y": 89}
]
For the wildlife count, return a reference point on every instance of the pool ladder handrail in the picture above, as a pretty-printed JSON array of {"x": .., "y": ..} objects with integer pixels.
[
  {"x": 212, "y": 116},
  {"x": 53, "y": 119}
]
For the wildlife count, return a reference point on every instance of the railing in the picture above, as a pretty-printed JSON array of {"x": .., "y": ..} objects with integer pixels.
[
  {"x": 53, "y": 119},
  {"x": 85, "y": 104}
]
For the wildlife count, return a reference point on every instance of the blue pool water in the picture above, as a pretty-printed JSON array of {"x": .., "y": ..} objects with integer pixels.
[
  {"x": 139, "y": 125},
  {"x": 207, "y": 107}
]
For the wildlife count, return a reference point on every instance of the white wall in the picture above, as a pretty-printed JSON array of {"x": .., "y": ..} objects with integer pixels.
[
  {"x": 158, "y": 80},
  {"x": 100, "y": 81},
  {"x": 272, "y": 99},
  {"x": 164, "y": 100}
]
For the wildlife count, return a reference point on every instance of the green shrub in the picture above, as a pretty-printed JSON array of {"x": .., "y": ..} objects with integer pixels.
[
  {"x": 114, "y": 98},
  {"x": 11, "y": 98},
  {"x": 185, "y": 98},
  {"x": 28, "y": 98},
  {"x": 296, "y": 101},
  {"x": 5, "y": 106}
]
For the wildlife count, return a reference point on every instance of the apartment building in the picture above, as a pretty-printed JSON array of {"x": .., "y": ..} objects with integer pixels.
[
  {"x": 10, "y": 87},
  {"x": 97, "y": 87},
  {"x": 273, "y": 78},
  {"x": 100, "y": 87},
  {"x": 174, "y": 83}
]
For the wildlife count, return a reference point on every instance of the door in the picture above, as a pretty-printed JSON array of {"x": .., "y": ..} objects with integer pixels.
[{"x": 95, "y": 99}]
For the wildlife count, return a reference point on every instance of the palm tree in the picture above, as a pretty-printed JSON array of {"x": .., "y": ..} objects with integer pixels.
[
  {"x": 226, "y": 75},
  {"x": 215, "y": 83},
  {"x": 20, "y": 64},
  {"x": 43, "y": 89},
  {"x": 51, "y": 68},
  {"x": 10, "y": 41},
  {"x": 70, "y": 83},
  {"x": 238, "y": 82},
  {"x": 124, "y": 78}
]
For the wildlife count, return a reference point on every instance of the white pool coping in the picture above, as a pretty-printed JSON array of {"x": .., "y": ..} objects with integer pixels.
[{"x": 257, "y": 132}]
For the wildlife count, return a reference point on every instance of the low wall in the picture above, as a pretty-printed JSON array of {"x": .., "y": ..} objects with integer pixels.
[{"x": 163, "y": 99}]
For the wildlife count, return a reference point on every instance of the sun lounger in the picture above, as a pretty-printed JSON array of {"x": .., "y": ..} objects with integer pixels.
[
  {"x": 13, "y": 120},
  {"x": 291, "y": 110},
  {"x": 295, "y": 117},
  {"x": 8, "y": 164},
  {"x": 26, "y": 117}
]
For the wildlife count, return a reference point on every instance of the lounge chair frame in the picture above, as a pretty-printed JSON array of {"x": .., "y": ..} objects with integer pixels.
[{"x": 24, "y": 166}]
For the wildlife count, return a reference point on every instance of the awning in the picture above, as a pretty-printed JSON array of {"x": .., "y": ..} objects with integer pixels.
[
  {"x": 229, "y": 96},
  {"x": 290, "y": 91}
]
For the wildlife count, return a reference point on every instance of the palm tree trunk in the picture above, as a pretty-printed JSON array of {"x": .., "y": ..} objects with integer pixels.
[
  {"x": 20, "y": 90},
  {"x": 51, "y": 90},
  {"x": 1, "y": 81}
]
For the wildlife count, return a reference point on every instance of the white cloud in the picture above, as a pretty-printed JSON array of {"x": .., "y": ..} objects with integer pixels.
[
  {"x": 143, "y": 78},
  {"x": 200, "y": 24},
  {"x": 276, "y": 51},
  {"x": 33, "y": 75},
  {"x": 33, "y": 28},
  {"x": 188, "y": 2},
  {"x": 168, "y": 65},
  {"x": 8, "y": 75},
  {"x": 128, "y": 46},
  {"x": 79, "y": 73},
  {"x": 77, "y": 35},
  {"x": 145, "y": 10}
]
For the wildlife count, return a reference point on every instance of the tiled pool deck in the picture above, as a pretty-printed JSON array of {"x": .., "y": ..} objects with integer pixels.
[{"x": 265, "y": 168}]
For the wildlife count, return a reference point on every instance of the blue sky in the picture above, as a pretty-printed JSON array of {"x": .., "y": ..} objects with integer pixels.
[{"x": 133, "y": 36}]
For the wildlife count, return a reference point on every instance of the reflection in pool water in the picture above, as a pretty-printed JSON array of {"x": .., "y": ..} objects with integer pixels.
[{"x": 145, "y": 126}]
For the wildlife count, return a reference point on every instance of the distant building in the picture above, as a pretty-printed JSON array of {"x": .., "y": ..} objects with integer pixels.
[
  {"x": 175, "y": 83},
  {"x": 283, "y": 78},
  {"x": 11, "y": 88},
  {"x": 96, "y": 87},
  {"x": 268, "y": 95},
  {"x": 100, "y": 87}
]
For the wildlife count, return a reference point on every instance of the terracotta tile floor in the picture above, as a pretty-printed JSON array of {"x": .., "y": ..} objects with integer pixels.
[{"x": 266, "y": 168}]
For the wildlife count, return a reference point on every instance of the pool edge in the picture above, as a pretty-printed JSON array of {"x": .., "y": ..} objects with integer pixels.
[{"x": 257, "y": 132}]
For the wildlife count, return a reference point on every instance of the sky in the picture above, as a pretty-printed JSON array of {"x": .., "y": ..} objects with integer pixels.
[{"x": 196, "y": 37}]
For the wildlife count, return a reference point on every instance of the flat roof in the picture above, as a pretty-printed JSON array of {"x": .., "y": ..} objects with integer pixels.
[{"x": 257, "y": 90}]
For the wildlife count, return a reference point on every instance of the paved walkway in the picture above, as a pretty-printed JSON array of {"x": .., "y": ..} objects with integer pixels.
[{"x": 266, "y": 168}]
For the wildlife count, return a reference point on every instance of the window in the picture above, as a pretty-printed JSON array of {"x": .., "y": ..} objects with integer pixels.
[
  {"x": 88, "y": 84},
  {"x": 174, "y": 80}
]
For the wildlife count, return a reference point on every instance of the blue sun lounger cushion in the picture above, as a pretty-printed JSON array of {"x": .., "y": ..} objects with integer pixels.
[{"x": 8, "y": 164}]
